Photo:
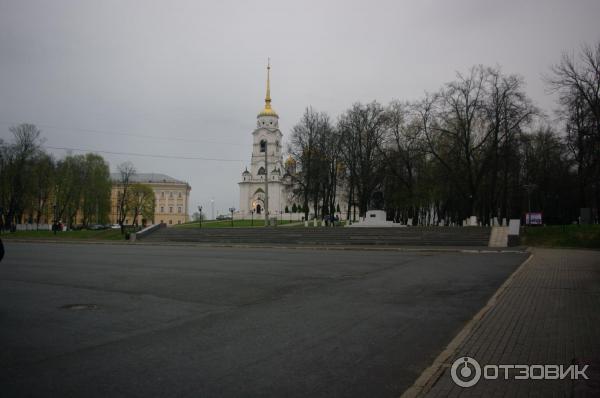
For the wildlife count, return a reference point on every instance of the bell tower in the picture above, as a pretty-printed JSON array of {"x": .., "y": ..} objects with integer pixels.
[{"x": 264, "y": 176}]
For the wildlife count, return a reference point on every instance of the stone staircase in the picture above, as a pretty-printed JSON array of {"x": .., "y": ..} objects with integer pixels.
[{"x": 339, "y": 236}]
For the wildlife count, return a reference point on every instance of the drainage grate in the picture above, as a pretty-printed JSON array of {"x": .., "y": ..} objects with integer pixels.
[{"x": 79, "y": 307}]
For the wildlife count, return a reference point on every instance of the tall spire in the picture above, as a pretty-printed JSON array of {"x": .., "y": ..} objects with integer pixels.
[
  {"x": 268, "y": 97},
  {"x": 268, "y": 111}
]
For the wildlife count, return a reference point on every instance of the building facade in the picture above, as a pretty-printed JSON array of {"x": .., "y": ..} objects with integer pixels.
[{"x": 171, "y": 198}]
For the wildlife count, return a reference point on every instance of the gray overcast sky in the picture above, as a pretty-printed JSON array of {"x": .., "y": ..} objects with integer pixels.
[{"x": 196, "y": 69}]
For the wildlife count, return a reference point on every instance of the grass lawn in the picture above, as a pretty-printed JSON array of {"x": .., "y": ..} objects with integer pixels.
[
  {"x": 227, "y": 223},
  {"x": 106, "y": 234},
  {"x": 584, "y": 236}
]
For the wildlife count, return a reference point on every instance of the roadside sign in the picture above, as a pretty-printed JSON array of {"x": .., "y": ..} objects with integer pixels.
[{"x": 533, "y": 218}]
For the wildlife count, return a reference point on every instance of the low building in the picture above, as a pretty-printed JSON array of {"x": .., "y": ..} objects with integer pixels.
[{"x": 172, "y": 198}]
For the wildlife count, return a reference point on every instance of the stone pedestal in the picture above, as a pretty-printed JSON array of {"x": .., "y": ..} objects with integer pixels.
[{"x": 375, "y": 218}]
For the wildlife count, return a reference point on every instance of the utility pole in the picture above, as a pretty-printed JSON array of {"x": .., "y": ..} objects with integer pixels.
[{"x": 266, "y": 186}]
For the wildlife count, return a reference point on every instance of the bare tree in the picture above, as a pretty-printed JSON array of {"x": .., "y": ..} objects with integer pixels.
[
  {"x": 577, "y": 82},
  {"x": 306, "y": 149},
  {"x": 402, "y": 150},
  {"x": 126, "y": 173},
  {"x": 17, "y": 160},
  {"x": 363, "y": 129}
]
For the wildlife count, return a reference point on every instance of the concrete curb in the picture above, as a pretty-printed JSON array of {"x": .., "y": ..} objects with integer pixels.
[
  {"x": 431, "y": 375},
  {"x": 70, "y": 241}
]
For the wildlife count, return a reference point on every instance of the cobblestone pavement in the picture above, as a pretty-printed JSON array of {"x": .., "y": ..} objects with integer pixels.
[{"x": 548, "y": 313}]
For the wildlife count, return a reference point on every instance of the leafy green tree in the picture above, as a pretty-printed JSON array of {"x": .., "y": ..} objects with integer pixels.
[
  {"x": 95, "y": 202},
  {"x": 42, "y": 183},
  {"x": 141, "y": 202},
  {"x": 70, "y": 180}
]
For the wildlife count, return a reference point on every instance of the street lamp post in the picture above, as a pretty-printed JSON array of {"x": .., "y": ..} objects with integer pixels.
[
  {"x": 232, "y": 209},
  {"x": 200, "y": 215}
]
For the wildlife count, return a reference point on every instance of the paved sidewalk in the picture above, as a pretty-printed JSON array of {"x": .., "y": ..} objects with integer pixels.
[{"x": 548, "y": 313}]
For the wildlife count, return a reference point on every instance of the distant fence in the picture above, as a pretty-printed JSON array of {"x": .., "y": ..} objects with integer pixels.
[
  {"x": 280, "y": 216},
  {"x": 34, "y": 227}
]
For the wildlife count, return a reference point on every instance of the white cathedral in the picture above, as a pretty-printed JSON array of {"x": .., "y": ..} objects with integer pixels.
[{"x": 256, "y": 194}]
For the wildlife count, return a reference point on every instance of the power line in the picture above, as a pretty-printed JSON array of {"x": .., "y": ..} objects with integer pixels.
[
  {"x": 119, "y": 133},
  {"x": 146, "y": 155}
]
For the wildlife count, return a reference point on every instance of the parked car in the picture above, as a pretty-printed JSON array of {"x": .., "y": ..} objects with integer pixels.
[
  {"x": 223, "y": 217},
  {"x": 96, "y": 227},
  {"x": 115, "y": 226}
]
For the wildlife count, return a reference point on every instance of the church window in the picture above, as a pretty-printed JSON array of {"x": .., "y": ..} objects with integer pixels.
[
  {"x": 263, "y": 145},
  {"x": 179, "y": 210},
  {"x": 162, "y": 209},
  {"x": 261, "y": 171},
  {"x": 179, "y": 195},
  {"x": 170, "y": 210},
  {"x": 170, "y": 221}
]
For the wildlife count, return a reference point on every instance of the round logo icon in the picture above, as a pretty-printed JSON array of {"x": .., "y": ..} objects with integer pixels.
[{"x": 465, "y": 372}]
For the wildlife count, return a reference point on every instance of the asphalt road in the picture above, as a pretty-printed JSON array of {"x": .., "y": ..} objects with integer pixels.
[{"x": 136, "y": 320}]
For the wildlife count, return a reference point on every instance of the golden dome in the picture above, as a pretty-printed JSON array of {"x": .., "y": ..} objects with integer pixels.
[{"x": 267, "y": 110}]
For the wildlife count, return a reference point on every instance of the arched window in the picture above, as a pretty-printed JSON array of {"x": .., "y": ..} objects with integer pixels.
[
  {"x": 263, "y": 145},
  {"x": 261, "y": 171}
]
